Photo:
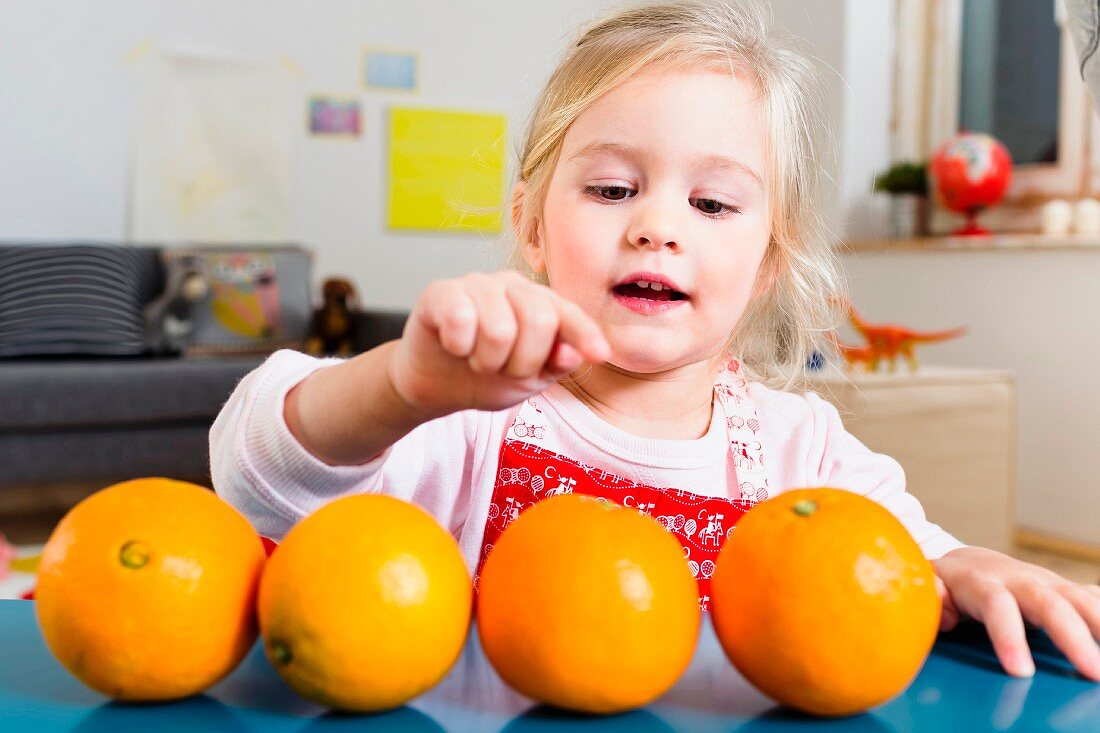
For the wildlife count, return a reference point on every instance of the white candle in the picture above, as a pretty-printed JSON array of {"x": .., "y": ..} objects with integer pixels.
[
  {"x": 1057, "y": 215},
  {"x": 1086, "y": 216}
]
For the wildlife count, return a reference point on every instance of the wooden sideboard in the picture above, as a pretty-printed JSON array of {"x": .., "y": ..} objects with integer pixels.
[{"x": 954, "y": 432}]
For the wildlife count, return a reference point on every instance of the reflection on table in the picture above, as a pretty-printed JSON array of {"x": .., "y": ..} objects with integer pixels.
[{"x": 960, "y": 688}]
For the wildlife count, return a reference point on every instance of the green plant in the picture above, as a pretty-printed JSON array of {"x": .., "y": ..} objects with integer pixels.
[{"x": 904, "y": 177}]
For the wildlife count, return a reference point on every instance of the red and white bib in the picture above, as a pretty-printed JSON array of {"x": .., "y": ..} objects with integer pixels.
[{"x": 533, "y": 466}]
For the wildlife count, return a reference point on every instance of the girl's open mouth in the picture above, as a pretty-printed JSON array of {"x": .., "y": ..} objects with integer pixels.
[
  {"x": 648, "y": 291},
  {"x": 649, "y": 296}
]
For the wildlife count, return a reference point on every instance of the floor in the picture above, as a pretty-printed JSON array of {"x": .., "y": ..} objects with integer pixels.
[{"x": 1079, "y": 571}]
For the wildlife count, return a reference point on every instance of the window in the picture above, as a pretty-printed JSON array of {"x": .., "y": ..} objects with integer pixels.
[{"x": 1006, "y": 67}]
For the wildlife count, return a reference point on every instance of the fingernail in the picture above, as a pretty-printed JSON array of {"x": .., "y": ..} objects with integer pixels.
[
  {"x": 1094, "y": 665},
  {"x": 1025, "y": 666},
  {"x": 569, "y": 358}
]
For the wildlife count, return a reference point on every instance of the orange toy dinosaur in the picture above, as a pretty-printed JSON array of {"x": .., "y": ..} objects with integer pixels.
[
  {"x": 886, "y": 341},
  {"x": 854, "y": 355}
]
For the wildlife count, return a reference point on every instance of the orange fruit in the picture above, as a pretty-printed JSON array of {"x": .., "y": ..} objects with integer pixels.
[
  {"x": 587, "y": 605},
  {"x": 146, "y": 589},
  {"x": 824, "y": 602},
  {"x": 365, "y": 604}
]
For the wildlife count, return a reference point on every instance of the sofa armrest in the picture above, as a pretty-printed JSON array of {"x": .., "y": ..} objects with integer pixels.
[{"x": 371, "y": 328}]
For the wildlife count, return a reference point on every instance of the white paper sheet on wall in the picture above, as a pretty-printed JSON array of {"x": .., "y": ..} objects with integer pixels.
[{"x": 212, "y": 144}]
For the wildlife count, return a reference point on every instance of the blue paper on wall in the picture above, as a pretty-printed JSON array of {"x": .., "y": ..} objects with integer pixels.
[{"x": 390, "y": 70}]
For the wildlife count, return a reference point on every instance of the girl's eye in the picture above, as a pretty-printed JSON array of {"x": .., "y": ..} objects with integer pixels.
[
  {"x": 610, "y": 193},
  {"x": 712, "y": 207}
]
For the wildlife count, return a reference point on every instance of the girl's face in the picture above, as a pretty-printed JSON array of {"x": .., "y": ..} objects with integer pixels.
[{"x": 656, "y": 220}]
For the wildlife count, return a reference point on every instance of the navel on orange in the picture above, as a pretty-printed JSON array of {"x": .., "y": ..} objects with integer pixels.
[
  {"x": 586, "y": 605},
  {"x": 824, "y": 602},
  {"x": 365, "y": 604},
  {"x": 146, "y": 589}
]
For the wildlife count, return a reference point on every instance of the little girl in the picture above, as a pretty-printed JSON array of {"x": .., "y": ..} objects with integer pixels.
[{"x": 677, "y": 277}]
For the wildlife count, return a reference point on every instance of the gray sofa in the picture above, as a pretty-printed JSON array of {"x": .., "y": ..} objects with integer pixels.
[{"x": 95, "y": 420}]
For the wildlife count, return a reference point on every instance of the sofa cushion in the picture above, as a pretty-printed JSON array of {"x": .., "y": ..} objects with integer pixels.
[
  {"x": 95, "y": 458},
  {"x": 85, "y": 299},
  {"x": 39, "y": 394}
]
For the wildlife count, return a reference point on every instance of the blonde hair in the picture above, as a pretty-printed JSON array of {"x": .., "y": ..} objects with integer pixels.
[{"x": 791, "y": 309}]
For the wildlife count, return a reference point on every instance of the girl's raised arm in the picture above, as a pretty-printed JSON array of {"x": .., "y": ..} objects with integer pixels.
[{"x": 482, "y": 341}]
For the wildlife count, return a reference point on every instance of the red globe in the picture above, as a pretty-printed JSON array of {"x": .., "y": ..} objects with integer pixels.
[{"x": 968, "y": 173}]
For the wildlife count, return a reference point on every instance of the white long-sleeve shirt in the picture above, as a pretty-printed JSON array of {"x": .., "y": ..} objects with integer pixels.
[{"x": 448, "y": 466}]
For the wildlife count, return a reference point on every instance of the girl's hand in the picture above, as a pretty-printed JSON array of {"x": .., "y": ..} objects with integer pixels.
[
  {"x": 487, "y": 342},
  {"x": 1003, "y": 592}
]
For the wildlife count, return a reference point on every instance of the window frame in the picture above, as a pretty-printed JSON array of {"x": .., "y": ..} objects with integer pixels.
[{"x": 926, "y": 112}]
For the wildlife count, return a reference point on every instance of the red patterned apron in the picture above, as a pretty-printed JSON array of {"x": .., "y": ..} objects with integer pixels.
[{"x": 531, "y": 469}]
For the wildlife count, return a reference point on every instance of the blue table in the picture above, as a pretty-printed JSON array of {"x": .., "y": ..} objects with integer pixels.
[{"x": 961, "y": 688}]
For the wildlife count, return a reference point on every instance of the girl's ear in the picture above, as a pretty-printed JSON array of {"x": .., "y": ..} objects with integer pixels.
[{"x": 529, "y": 239}]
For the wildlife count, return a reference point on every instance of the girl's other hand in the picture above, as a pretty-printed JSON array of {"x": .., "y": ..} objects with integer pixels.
[
  {"x": 1003, "y": 592},
  {"x": 489, "y": 341}
]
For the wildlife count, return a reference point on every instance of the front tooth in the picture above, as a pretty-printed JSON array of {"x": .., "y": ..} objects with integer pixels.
[
  {"x": 657, "y": 286},
  {"x": 646, "y": 284}
]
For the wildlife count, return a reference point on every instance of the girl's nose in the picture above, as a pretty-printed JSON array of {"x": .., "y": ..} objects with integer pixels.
[{"x": 655, "y": 227}]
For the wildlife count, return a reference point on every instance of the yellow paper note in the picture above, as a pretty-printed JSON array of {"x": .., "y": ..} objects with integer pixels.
[{"x": 446, "y": 170}]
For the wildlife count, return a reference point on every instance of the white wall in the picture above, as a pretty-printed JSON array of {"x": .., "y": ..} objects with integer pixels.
[
  {"x": 1033, "y": 313},
  {"x": 66, "y": 95},
  {"x": 819, "y": 31},
  {"x": 65, "y": 108},
  {"x": 852, "y": 43},
  {"x": 866, "y": 115}
]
